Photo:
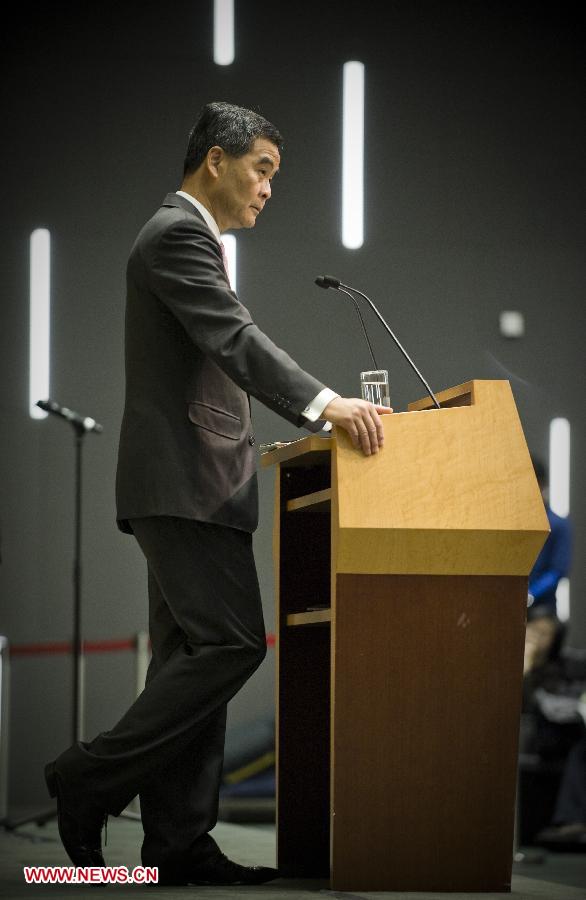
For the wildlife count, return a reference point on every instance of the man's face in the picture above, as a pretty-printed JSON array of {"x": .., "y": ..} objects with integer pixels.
[{"x": 244, "y": 185}]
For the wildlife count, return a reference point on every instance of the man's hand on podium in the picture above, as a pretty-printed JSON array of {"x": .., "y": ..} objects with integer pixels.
[{"x": 360, "y": 419}]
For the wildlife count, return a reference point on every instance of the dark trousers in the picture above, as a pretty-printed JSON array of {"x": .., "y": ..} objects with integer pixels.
[{"x": 207, "y": 634}]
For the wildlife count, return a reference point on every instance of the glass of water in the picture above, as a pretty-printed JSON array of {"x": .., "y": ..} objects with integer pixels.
[{"x": 375, "y": 387}]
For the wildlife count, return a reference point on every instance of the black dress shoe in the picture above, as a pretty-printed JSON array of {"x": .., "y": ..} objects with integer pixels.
[
  {"x": 80, "y": 825},
  {"x": 218, "y": 870}
]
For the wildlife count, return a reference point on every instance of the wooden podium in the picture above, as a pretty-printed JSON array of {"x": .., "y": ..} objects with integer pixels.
[{"x": 402, "y": 591}]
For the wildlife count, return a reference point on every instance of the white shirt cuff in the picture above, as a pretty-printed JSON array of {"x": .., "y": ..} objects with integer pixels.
[{"x": 314, "y": 409}]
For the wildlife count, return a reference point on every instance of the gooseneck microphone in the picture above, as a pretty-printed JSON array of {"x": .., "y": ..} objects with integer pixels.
[
  {"x": 328, "y": 281},
  {"x": 80, "y": 423},
  {"x": 358, "y": 310},
  {"x": 324, "y": 282}
]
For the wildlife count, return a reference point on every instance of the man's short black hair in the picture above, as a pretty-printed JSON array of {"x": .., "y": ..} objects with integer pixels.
[{"x": 233, "y": 128}]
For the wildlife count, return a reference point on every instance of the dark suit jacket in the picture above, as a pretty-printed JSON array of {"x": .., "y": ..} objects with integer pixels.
[{"x": 193, "y": 354}]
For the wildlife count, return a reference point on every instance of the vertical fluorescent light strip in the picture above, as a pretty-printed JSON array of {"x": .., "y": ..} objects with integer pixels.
[
  {"x": 559, "y": 466},
  {"x": 229, "y": 242},
  {"x": 40, "y": 309},
  {"x": 559, "y": 495},
  {"x": 353, "y": 155},
  {"x": 223, "y": 32},
  {"x": 562, "y": 596}
]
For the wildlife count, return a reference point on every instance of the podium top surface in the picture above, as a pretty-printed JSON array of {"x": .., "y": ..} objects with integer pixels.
[{"x": 452, "y": 491}]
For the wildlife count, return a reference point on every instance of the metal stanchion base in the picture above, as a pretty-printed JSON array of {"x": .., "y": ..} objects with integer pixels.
[{"x": 529, "y": 856}]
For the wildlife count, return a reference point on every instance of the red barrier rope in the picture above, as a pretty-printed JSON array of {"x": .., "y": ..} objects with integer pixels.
[{"x": 63, "y": 647}]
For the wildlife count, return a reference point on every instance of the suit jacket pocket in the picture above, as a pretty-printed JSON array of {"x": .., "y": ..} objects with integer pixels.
[{"x": 214, "y": 419}]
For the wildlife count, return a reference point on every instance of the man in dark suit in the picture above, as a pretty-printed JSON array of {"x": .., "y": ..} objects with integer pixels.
[{"x": 186, "y": 488}]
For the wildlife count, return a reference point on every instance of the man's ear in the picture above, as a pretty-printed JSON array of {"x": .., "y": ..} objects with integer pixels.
[{"x": 214, "y": 158}]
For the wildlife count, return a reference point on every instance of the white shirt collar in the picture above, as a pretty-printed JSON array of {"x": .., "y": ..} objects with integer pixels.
[{"x": 208, "y": 218}]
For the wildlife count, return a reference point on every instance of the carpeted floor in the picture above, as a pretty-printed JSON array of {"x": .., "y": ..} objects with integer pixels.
[{"x": 556, "y": 877}]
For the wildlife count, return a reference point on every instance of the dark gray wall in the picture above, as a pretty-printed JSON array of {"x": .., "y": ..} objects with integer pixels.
[{"x": 474, "y": 203}]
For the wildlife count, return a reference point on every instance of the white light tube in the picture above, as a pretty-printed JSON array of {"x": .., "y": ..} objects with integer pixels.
[
  {"x": 563, "y": 600},
  {"x": 353, "y": 156},
  {"x": 559, "y": 466},
  {"x": 40, "y": 313},
  {"x": 223, "y": 32},
  {"x": 229, "y": 242}
]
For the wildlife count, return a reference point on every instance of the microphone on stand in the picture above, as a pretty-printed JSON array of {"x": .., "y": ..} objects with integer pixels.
[
  {"x": 328, "y": 281},
  {"x": 80, "y": 423},
  {"x": 320, "y": 281}
]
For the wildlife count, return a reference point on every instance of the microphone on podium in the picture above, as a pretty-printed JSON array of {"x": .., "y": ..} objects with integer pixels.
[
  {"x": 328, "y": 281},
  {"x": 324, "y": 282}
]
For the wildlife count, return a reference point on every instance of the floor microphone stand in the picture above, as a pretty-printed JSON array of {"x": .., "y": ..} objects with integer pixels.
[
  {"x": 77, "y": 649},
  {"x": 81, "y": 426}
]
